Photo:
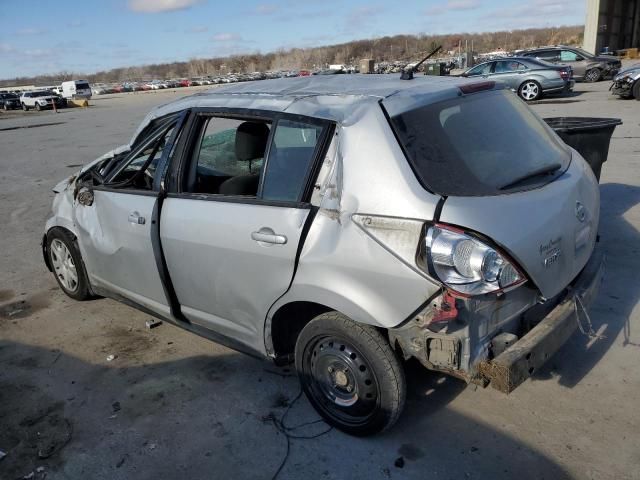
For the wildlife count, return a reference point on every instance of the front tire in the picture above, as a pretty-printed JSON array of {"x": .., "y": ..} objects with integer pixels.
[
  {"x": 592, "y": 75},
  {"x": 636, "y": 90},
  {"x": 24, "y": 107},
  {"x": 530, "y": 91},
  {"x": 66, "y": 263},
  {"x": 350, "y": 374},
  {"x": 38, "y": 107}
]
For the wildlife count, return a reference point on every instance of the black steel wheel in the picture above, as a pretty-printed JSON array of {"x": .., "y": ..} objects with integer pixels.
[{"x": 350, "y": 374}]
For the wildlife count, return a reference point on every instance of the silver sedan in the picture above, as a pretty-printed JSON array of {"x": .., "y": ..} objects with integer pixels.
[{"x": 530, "y": 78}]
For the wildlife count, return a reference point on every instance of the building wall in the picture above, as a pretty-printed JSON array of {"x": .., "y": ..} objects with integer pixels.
[{"x": 612, "y": 23}]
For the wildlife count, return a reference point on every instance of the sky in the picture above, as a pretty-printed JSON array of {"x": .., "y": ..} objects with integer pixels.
[{"x": 91, "y": 35}]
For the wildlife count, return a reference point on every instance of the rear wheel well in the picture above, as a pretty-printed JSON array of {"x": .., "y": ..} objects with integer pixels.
[{"x": 288, "y": 322}]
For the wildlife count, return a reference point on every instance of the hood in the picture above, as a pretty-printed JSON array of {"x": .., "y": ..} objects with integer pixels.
[
  {"x": 633, "y": 70},
  {"x": 550, "y": 231},
  {"x": 110, "y": 154}
]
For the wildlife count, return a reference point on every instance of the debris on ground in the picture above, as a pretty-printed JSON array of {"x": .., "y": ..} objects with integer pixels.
[
  {"x": 2, "y": 454},
  {"x": 111, "y": 358},
  {"x": 399, "y": 462},
  {"x": 153, "y": 323},
  {"x": 116, "y": 406}
]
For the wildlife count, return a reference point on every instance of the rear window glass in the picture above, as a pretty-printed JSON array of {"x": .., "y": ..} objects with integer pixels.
[
  {"x": 81, "y": 86},
  {"x": 480, "y": 144}
]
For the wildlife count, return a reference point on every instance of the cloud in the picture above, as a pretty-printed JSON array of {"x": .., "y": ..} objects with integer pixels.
[
  {"x": 226, "y": 37},
  {"x": 536, "y": 14},
  {"x": 360, "y": 17},
  {"x": 453, "y": 5},
  {"x": 197, "y": 29},
  {"x": 6, "y": 48},
  {"x": 31, "y": 31},
  {"x": 265, "y": 9},
  {"x": 156, "y": 6},
  {"x": 38, "y": 52}
]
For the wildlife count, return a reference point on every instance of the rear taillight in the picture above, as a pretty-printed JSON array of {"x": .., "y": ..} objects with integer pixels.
[{"x": 465, "y": 264}]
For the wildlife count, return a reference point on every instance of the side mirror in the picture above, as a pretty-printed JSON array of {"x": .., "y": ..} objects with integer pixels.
[
  {"x": 579, "y": 58},
  {"x": 85, "y": 197}
]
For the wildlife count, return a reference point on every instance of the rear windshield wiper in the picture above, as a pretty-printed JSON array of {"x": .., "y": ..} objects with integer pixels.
[{"x": 545, "y": 170}]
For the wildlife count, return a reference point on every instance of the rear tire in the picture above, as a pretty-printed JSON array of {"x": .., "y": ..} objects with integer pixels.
[
  {"x": 350, "y": 374},
  {"x": 592, "y": 75},
  {"x": 67, "y": 265},
  {"x": 530, "y": 90}
]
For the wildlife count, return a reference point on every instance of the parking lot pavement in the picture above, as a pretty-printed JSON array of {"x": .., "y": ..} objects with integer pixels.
[{"x": 171, "y": 404}]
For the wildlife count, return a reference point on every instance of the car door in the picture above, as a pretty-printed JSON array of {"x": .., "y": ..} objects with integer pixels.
[
  {"x": 115, "y": 220},
  {"x": 575, "y": 61},
  {"x": 509, "y": 72},
  {"x": 232, "y": 223}
]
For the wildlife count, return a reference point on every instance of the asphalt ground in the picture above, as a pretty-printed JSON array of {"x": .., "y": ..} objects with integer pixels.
[{"x": 173, "y": 405}]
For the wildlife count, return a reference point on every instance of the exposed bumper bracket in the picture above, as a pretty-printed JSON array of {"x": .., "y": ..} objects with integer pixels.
[{"x": 513, "y": 366}]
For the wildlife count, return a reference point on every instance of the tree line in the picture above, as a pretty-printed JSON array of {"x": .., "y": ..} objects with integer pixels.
[{"x": 383, "y": 49}]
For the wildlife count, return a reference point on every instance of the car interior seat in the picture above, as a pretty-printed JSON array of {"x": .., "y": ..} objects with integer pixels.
[{"x": 251, "y": 143}]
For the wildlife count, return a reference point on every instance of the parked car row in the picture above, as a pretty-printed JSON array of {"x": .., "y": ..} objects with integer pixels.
[{"x": 41, "y": 99}]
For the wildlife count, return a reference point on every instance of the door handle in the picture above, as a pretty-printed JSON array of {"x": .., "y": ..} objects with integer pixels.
[
  {"x": 136, "y": 218},
  {"x": 267, "y": 235}
]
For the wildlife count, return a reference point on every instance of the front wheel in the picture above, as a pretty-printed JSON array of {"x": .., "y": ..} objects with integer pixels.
[
  {"x": 24, "y": 107},
  {"x": 350, "y": 374},
  {"x": 38, "y": 107},
  {"x": 592, "y": 75},
  {"x": 530, "y": 90},
  {"x": 636, "y": 90},
  {"x": 67, "y": 265}
]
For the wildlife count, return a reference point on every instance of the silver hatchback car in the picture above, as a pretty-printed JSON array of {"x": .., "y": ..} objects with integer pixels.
[{"x": 347, "y": 224}]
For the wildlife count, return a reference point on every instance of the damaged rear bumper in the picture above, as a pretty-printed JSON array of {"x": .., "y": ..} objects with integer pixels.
[{"x": 518, "y": 362}]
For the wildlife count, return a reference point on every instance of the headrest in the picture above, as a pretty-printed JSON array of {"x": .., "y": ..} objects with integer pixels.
[{"x": 251, "y": 140}]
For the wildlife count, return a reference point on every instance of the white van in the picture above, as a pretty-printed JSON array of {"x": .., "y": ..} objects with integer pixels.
[{"x": 76, "y": 89}]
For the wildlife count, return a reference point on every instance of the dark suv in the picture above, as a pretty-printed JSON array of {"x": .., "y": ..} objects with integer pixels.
[
  {"x": 9, "y": 101},
  {"x": 586, "y": 67}
]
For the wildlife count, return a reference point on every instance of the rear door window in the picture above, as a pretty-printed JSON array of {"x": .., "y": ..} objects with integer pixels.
[
  {"x": 479, "y": 144},
  {"x": 507, "y": 66},
  {"x": 484, "y": 69},
  {"x": 290, "y": 158}
]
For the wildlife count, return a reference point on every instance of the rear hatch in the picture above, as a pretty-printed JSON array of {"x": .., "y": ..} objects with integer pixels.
[{"x": 505, "y": 175}]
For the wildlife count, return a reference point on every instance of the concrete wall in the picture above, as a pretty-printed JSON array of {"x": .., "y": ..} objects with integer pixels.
[{"x": 612, "y": 23}]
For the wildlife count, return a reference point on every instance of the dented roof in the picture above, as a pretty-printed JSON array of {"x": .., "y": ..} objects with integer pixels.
[{"x": 337, "y": 98}]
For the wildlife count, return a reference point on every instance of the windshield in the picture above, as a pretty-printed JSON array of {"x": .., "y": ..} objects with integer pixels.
[
  {"x": 583, "y": 53},
  {"x": 477, "y": 144}
]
